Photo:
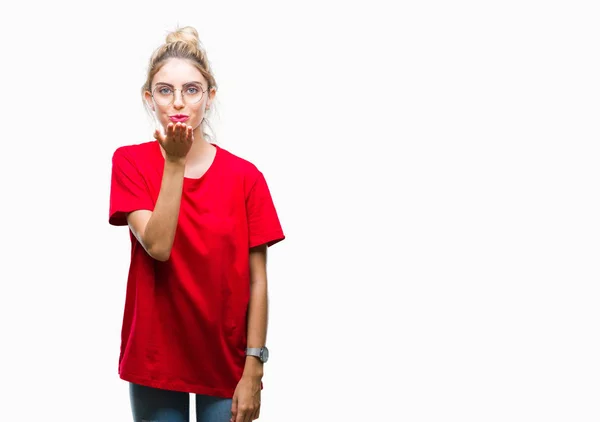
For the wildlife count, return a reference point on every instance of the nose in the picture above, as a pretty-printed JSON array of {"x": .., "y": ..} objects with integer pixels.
[{"x": 178, "y": 100}]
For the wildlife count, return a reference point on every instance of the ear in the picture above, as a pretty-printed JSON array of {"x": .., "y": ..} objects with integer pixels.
[
  {"x": 148, "y": 99},
  {"x": 211, "y": 96}
]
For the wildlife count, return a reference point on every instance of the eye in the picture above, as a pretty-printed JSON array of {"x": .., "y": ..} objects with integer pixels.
[
  {"x": 192, "y": 90},
  {"x": 164, "y": 90}
]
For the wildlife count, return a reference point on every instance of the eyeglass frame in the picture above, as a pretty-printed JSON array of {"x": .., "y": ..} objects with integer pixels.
[{"x": 177, "y": 89}]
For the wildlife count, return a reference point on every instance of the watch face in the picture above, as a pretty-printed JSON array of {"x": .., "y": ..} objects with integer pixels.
[{"x": 264, "y": 354}]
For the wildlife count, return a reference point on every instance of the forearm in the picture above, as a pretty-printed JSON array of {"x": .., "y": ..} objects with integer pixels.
[
  {"x": 159, "y": 233},
  {"x": 257, "y": 325}
]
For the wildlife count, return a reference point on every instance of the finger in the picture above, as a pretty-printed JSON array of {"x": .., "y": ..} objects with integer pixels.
[
  {"x": 170, "y": 130},
  {"x": 241, "y": 416},
  {"x": 176, "y": 130},
  {"x": 233, "y": 409},
  {"x": 258, "y": 402},
  {"x": 190, "y": 134},
  {"x": 157, "y": 135},
  {"x": 256, "y": 412},
  {"x": 181, "y": 132}
]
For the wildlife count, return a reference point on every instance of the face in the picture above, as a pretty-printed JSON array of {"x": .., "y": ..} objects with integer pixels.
[{"x": 179, "y": 76}]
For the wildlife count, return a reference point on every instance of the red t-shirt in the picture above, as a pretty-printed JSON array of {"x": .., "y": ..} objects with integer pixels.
[{"x": 184, "y": 323}]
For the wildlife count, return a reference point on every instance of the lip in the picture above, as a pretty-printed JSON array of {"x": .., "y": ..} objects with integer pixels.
[{"x": 178, "y": 118}]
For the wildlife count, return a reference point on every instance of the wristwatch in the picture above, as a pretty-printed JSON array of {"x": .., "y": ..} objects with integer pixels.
[{"x": 260, "y": 352}]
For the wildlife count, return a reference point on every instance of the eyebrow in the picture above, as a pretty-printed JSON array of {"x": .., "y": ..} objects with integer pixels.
[{"x": 187, "y": 83}]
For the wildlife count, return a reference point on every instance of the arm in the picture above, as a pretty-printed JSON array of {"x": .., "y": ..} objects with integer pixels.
[
  {"x": 245, "y": 405},
  {"x": 155, "y": 230},
  {"x": 264, "y": 230},
  {"x": 257, "y": 309}
]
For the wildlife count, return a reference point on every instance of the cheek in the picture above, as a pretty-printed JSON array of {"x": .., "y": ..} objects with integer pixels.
[
  {"x": 162, "y": 117},
  {"x": 197, "y": 114},
  {"x": 161, "y": 114}
]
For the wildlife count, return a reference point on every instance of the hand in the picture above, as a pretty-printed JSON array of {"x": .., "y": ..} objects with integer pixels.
[
  {"x": 178, "y": 140},
  {"x": 245, "y": 406}
]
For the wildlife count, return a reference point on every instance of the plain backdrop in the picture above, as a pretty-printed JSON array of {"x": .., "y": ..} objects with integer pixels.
[{"x": 435, "y": 169}]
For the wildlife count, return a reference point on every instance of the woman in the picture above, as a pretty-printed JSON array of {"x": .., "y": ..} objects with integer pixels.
[{"x": 200, "y": 221}]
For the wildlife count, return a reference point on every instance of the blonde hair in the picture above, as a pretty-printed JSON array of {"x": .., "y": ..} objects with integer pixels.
[{"x": 183, "y": 43}]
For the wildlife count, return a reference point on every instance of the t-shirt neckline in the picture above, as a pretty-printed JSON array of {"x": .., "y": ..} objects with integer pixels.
[{"x": 189, "y": 180}]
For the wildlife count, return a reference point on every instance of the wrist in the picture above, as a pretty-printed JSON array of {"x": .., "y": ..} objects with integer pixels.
[
  {"x": 253, "y": 368},
  {"x": 174, "y": 163}
]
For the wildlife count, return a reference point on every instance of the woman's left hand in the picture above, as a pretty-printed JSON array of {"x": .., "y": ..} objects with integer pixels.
[{"x": 245, "y": 406}]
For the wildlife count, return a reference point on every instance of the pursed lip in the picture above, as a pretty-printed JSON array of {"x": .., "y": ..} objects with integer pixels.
[{"x": 179, "y": 117}]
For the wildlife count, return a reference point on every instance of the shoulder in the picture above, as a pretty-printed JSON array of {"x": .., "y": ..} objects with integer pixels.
[
  {"x": 241, "y": 170},
  {"x": 239, "y": 166},
  {"x": 134, "y": 151}
]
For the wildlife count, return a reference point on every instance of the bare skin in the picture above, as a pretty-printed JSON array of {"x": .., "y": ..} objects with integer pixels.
[
  {"x": 246, "y": 399},
  {"x": 155, "y": 230},
  {"x": 188, "y": 154}
]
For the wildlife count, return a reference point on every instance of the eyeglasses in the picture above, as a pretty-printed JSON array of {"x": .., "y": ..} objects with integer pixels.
[{"x": 164, "y": 95}]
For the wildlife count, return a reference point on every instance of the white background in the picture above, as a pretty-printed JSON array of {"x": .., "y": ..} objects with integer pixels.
[{"x": 434, "y": 165}]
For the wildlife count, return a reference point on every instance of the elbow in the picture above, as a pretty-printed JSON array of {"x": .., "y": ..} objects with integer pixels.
[
  {"x": 161, "y": 257},
  {"x": 159, "y": 253},
  {"x": 156, "y": 246}
]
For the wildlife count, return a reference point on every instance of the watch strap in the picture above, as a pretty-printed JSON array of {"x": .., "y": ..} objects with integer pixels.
[{"x": 253, "y": 351}]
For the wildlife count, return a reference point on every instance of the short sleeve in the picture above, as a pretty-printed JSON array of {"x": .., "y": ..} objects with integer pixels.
[
  {"x": 263, "y": 222},
  {"x": 128, "y": 190}
]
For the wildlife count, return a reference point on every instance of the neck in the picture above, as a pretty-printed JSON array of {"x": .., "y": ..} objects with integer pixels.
[{"x": 201, "y": 148}]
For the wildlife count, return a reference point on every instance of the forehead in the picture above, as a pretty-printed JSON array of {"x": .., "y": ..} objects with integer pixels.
[{"x": 178, "y": 72}]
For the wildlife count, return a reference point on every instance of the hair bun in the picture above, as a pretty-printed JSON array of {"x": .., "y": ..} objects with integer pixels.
[{"x": 186, "y": 34}]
